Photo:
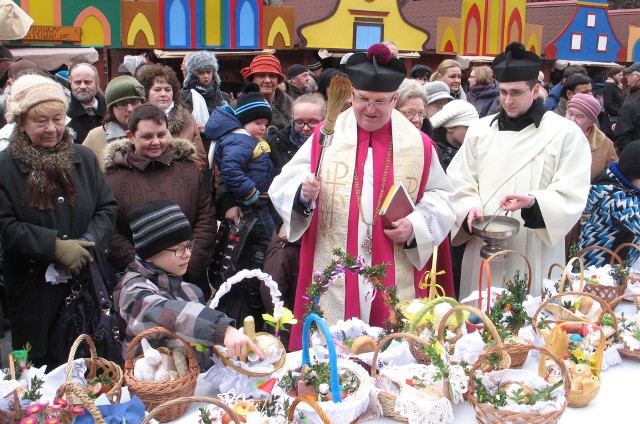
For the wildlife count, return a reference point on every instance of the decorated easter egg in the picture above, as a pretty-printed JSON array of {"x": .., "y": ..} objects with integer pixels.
[{"x": 575, "y": 338}]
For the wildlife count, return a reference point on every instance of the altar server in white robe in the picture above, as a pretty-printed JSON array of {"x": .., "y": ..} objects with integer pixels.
[
  {"x": 374, "y": 146},
  {"x": 534, "y": 163}
]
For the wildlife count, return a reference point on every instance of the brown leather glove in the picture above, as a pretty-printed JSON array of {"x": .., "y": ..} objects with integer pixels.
[{"x": 72, "y": 254}]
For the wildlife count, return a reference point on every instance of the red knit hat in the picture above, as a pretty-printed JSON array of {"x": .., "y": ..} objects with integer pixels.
[{"x": 266, "y": 63}]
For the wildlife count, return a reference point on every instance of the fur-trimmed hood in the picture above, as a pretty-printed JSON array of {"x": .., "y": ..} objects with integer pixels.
[
  {"x": 116, "y": 154},
  {"x": 178, "y": 118}
]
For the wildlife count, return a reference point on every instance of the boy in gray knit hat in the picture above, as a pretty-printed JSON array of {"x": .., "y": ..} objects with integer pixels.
[{"x": 152, "y": 294}]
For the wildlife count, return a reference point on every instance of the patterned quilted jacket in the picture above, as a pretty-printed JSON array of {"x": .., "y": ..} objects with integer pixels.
[{"x": 613, "y": 210}]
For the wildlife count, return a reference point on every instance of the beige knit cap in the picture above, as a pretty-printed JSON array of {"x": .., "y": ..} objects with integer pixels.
[
  {"x": 30, "y": 90},
  {"x": 454, "y": 113}
]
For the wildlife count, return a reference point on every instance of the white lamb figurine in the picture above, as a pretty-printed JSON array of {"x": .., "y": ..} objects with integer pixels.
[{"x": 148, "y": 368}]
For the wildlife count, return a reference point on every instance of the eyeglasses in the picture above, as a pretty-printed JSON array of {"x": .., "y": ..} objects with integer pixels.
[
  {"x": 180, "y": 251},
  {"x": 125, "y": 103},
  {"x": 513, "y": 93},
  {"x": 376, "y": 103},
  {"x": 300, "y": 124},
  {"x": 410, "y": 114}
]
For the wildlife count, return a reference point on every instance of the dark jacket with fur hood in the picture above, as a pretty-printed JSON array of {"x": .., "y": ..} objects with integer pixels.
[
  {"x": 181, "y": 124},
  {"x": 173, "y": 176}
]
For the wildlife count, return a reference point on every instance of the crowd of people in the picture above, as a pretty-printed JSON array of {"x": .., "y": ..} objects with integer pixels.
[{"x": 178, "y": 186}]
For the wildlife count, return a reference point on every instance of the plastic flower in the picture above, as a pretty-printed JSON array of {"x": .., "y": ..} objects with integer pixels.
[
  {"x": 30, "y": 420},
  {"x": 61, "y": 402},
  {"x": 76, "y": 410},
  {"x": 56, "y": 407},
  {"x": 34, "y": 408},
  {"x": 579, "y": 354},
  {"x": 51, "y": 420}
]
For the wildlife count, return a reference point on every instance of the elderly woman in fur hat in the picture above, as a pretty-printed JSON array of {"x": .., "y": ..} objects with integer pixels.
[
  {"x": 55, "y": 206},
  {"x": 163, "y": 91},
  {"x": 265, "y": 71},
  {"x": 150, "y": 164}
]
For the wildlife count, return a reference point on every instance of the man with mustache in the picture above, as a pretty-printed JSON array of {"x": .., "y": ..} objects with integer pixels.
[{"x": 87, "y": 107}]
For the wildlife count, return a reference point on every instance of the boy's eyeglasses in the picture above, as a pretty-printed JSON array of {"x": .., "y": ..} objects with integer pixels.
[{"x": 180, "y": 251}]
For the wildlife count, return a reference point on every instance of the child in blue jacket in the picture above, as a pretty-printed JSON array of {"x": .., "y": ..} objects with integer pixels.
[{"x": 246, "y": 171}]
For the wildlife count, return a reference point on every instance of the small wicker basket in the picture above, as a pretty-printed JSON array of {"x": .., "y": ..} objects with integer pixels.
[
  {"x": 312, "y": 403},
  {"x": 275, "y": 293},
  {"x": 387, "y": 399},
  {"x": 505, "y": 360},
  {"x": 97, "y": 367},
  {"x": 543, "y": 329},
  {"x": 77, "y": 395},
  {"x": 160, "y": 410},
  {"x": 16, "y": 414},
  {"x": 557, "y": 346},
  {"x": 624, "y": 351},
  {"x": 488, "y": 414},
  {"x": 608, "y": 293},
  {"x": 153, "y": 394}
]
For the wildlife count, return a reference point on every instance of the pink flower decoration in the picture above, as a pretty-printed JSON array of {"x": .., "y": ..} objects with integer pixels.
[
  {"x": 380, "y": 52},
  {"x": 44, "y": 404},
  {"x": 29, "y": 420},
  {"x": 56, "y": 407},
  {"x": 61, "y": 402},
  {"x": 77, "y": 410},
  {"x": 34, "y": 408},
  {"x": 51, "y": 420}
]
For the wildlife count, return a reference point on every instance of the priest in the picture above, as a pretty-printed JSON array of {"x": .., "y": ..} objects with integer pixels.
[
  {"x": 530, "y": 162},
  {"x": 374, "y": 147}
]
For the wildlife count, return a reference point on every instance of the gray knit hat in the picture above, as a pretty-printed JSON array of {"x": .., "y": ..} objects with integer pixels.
[
  {"x": 437, "y": 90},
  {"x": 158, "y": 225},
  {"x": 123, "y": 88},
  {"x": 201, "y": 61}
]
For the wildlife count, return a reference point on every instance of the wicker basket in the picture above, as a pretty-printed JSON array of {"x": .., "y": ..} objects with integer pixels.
[
  {"x": 566, "y": 315},
  {"x": 608, "y": 293},
  {"x": 347, "y": 412},
  {"x": 16, "y": 414},
  {"x": 275, "y": 294},
  {"x": 77, "y": 395},
  {"x": 557, "y": 346},
  {"x": 312, "y": 403},
  {"x": 624, "y": 351},
  {"x": 160, "y": 410},
  {"x": 97, "y": 367},
  {"x": 416, "y": 328},
  {"x": 387, "y": 399},
  {"x": 154, "y": 394},
  {"x": 486, "y": 413},
  {"x": 506, "y": 359}
]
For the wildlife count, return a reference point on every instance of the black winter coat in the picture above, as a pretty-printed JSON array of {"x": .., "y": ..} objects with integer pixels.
[
  {"x": 28, "y": 240},
  {"x": 612, "y": 101},
  {"x": 81, "y": 123}
]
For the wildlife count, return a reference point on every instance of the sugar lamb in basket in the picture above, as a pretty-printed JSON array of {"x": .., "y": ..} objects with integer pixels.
[{"x": 152, "y": 293}]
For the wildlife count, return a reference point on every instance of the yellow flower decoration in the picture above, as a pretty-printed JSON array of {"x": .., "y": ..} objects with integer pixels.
[{"x": 280, "y": 317}]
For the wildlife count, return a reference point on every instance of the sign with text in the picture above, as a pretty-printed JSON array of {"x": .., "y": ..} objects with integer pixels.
[{"x": 53, "y": 33}]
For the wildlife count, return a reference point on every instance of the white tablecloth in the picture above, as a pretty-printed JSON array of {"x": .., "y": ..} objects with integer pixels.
[{"x": 616, "y": 402}]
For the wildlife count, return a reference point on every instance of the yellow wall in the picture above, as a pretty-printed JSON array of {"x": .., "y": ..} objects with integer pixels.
[
  {"x": 42, "y": 12},
  {"x": 337, "y": 31}
]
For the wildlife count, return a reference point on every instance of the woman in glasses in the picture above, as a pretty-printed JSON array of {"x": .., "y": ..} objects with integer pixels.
[
  {"x": 149, "y": 164},
  {"x": 412, "y": 100},
  {"x": 122, "y": 96}
]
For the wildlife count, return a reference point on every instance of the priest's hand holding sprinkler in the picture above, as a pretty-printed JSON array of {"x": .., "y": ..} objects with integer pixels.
[{"x": 338, "y": 93}]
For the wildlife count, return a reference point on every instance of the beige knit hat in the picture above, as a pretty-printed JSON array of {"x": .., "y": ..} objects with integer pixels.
[
  {"x": 30, "y": 90},
  {"x": 454, "y": 113}
]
